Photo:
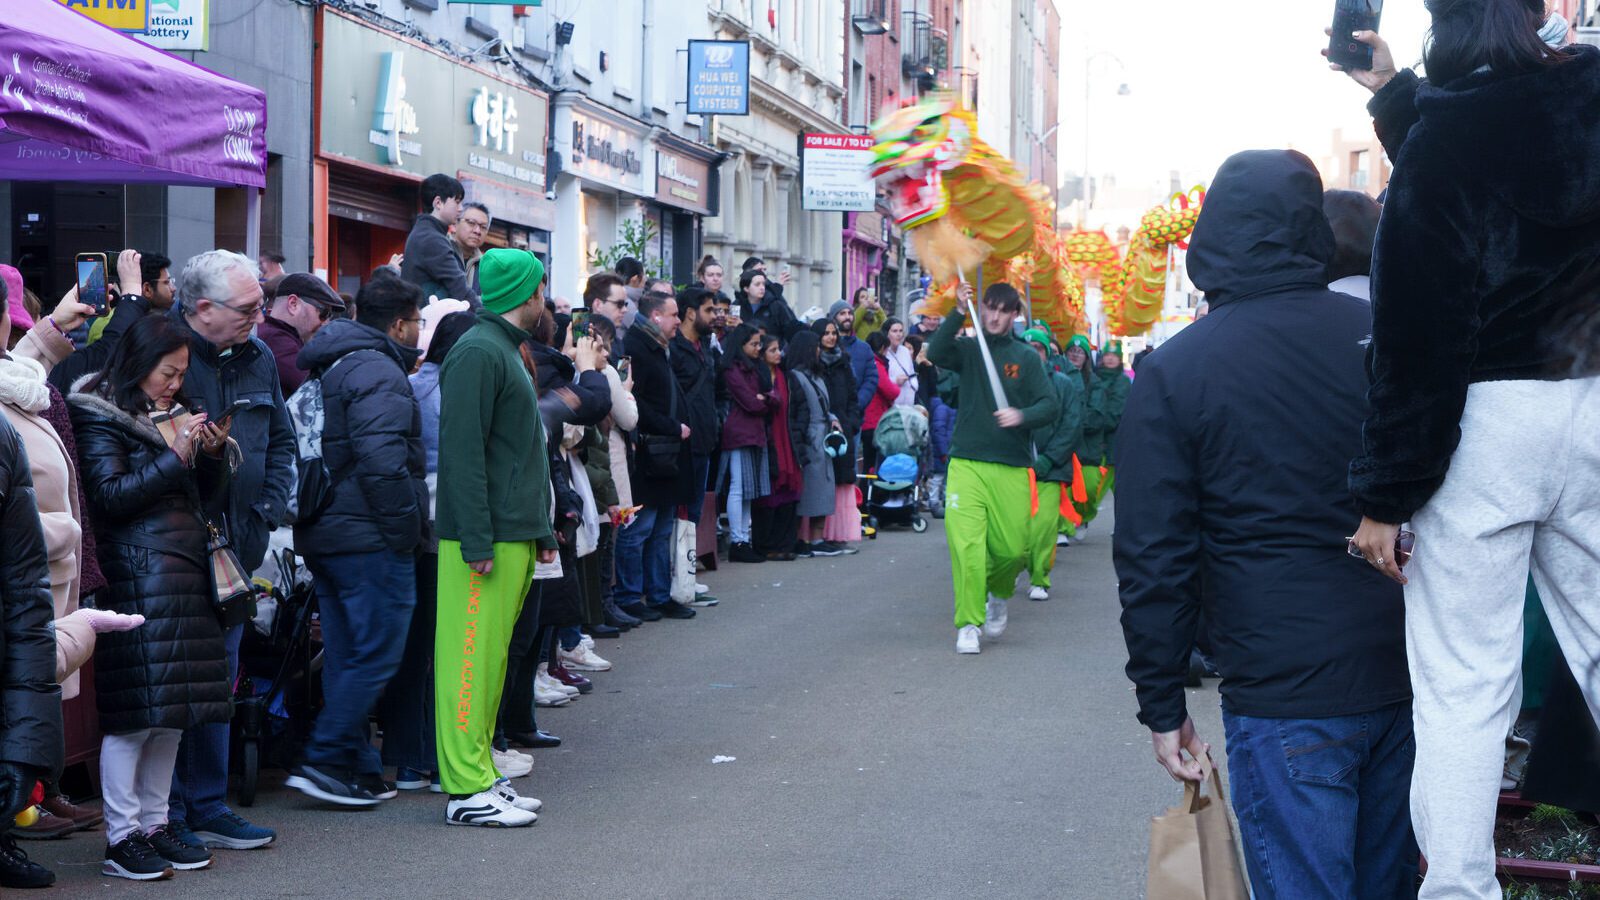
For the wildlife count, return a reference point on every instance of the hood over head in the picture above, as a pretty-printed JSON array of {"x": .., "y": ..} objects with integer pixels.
[
  {"x": 342, "y": 336},
  {"x": 1262, "y": 228},
  {"x": 1528, "y": 137}
]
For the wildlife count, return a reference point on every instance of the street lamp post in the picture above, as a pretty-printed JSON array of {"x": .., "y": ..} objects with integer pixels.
[{"x": 1088, "y": 92}]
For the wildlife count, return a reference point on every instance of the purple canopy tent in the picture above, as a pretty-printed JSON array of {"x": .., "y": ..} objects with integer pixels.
[{"x": 81, "y": 102}]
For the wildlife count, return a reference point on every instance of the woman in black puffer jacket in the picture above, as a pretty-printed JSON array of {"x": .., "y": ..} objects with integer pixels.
[{"x": 148, "y": 471}]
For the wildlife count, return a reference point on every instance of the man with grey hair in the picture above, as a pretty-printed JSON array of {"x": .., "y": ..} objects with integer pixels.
[
  {"x": 220, "y": 302},
  {"x": 468, "y": 234}
]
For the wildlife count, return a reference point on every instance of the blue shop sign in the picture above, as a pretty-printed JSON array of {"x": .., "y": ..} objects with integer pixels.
[{"x": 719, "y": 78}]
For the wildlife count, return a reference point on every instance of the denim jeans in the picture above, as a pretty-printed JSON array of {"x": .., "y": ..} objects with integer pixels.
[
  {"x": 406, "y": 708},
  {"x": 200, "y": 778},
  {"x": 644, "y": 558},
  {"x": 699, "y": 474},
  {"x": 1324, "y": 804},
  {"x": 366, "y": 601}
]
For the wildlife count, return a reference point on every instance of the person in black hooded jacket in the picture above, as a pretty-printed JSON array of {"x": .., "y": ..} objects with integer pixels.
[
  {"x": 30, "y": 728},
  {"x": 362, "y": 547},
  {"x": 1231, "y": 499},
  {"x": 152, "y": 476},
  {"x": 1485, "y": 403}
]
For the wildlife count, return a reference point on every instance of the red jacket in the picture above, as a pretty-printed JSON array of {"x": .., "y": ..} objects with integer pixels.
[{"x": 883, "y": 398}]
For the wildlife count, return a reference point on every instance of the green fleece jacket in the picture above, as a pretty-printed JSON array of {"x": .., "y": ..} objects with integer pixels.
[
  {"x": 869, "y": 320},
  {"x": 494, "y": 476},
  {"x": 1110, "y": 396},
  {"x": 978, "y": 436},
  {"x": 1054, "y": 444}
]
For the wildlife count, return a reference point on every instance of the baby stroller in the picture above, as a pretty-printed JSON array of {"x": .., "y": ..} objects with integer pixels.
[
  {"x": 278, "y": 689},
  {"x": 892, "y": 494}
]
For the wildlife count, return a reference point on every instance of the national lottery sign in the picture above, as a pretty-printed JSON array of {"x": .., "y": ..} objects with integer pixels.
[
  {"x": 719, "y": 78},
  {"x": 835, "y": 173}
]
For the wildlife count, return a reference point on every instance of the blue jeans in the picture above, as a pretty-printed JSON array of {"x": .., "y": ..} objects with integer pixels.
[
  {"x": 644, "y": 558},
  {"x": 406, "y": 709},
  {"x": 200, "y": 778},
  {"x": 1324, "y": 804},
  {"x": 700, "y": 474},
  {"x": 366, "y": 601}
]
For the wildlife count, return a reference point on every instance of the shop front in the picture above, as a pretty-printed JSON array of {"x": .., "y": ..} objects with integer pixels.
[
  {"x": 686, "y": 190},
  {"x": 392, "y": 111},
  {"x": 601, "y": 191}
]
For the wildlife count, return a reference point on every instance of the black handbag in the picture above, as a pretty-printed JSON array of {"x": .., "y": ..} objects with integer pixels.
[
  {"x": 233, "y": 596},
  {"x": 656, "y": 455}
]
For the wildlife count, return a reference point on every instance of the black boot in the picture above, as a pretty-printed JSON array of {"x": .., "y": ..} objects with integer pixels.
[
  {"x": 744, "y": 553},
  {"x": 18, "y": 871}
]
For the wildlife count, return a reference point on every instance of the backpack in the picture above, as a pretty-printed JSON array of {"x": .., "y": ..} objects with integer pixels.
[{"x": 309, "y": 416}]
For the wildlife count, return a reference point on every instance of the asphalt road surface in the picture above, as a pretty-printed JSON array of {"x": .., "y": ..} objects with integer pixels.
[{"x": 869, "y": 760}]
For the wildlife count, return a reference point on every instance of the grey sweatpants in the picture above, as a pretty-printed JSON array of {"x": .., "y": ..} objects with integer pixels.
[{"x": 1523, "y": 490}]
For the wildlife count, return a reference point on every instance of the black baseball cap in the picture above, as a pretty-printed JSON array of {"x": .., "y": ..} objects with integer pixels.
[{"x": 309, "y": 287}]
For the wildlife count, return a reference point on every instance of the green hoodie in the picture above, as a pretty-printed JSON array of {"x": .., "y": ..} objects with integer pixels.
[
  {"x": 1100, "y": 427},
  {"x": 494, "y": 477},
  {"x": 1056, "y": 443},
  {"x": 977, "y": 435}
]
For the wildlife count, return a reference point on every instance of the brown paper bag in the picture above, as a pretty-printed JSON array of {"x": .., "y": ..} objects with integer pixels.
[{"x": 1193, "y": 853}]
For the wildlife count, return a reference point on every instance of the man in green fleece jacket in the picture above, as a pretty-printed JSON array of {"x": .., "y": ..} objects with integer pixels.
[
  {"x": 493, "y": 512},
  {"x": 1052, "y": 467},
  {"x": 989, "y": 492}
]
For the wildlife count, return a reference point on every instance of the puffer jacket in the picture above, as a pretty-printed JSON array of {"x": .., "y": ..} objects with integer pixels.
[
  {"x": 30, "y": 699},
  {"x": 371, "y": 443},
  {"x": 171, "y": 672}
]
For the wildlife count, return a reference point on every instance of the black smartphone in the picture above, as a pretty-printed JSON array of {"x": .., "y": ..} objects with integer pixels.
[
  {"x": 91, "y": 280},
  {"x": 237, "y": 405},
  {"x": 1350, "y": 16}
]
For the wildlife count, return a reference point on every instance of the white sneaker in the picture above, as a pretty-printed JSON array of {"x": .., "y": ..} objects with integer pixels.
[
  {"x": 967, "y": 639},
  {"x": 583, "y": 659},
  {"x": 488, "y": 809},
  {"x": 547, "y": 696},
  {"x": 586, "y": 640},
  {"x": 1038, "y": 593},
  {"x": 1063, "y": 541},
  {"x": 510, "y": 766},
  {"x": 509, "y": 794},
  {"x": 994, "y": 617},
  {"x": 514, "y": 753},
  {"x": 701, "y": 588},
  {"x": 552, "y": 683}
]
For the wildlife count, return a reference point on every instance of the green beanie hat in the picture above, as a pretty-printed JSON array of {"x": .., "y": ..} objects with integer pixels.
[
  {"x": 507, "y": 278},
  {"x": 1081, "y": 342},
  {"x": 1038, "y": 336}
]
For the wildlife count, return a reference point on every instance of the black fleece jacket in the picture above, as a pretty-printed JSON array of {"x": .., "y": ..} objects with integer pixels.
[
  {"x": 1487, "y": 261},
  {"x": 1231, "y": 467}
]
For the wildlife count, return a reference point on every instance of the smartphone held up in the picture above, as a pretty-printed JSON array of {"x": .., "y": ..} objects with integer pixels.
[
  {"x": 1349, "y": 17},
  {"x": 91, "y": 280}
]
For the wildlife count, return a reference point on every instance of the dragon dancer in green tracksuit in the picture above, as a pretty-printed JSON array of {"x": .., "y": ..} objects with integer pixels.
[
  {"x": 1054, "y": 446},
  {"x": 989, "y": 491},
  {"x": 1106, "y": 393}
]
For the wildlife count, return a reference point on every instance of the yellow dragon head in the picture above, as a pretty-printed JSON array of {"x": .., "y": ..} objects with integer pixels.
[{"x": 915, "y": 146}]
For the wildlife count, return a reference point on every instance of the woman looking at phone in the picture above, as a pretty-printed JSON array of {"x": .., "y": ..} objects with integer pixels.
[{"x": 1485, "y": 270}]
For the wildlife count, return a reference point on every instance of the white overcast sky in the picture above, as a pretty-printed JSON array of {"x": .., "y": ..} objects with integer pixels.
[{"x": 1208, "y": 78}]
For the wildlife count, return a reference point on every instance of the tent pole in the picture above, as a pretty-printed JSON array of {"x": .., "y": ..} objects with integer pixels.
[{"x": 252, "y": 223}]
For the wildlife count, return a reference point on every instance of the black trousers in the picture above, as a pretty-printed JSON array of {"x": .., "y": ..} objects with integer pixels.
[
  {"x": 522, "y": 663},
  {"x": 774, "y": 529}
]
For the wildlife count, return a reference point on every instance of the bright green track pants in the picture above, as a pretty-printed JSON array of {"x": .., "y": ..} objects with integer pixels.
[
  {"x": 1042, "y": 531},
  {"x": 986, "y": 518},
  {"x": 1097, "y": 486},
  {"x": 476, "y": 616}
]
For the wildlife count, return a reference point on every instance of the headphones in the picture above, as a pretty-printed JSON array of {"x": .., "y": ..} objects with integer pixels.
[{"x": 835, "y": 444}]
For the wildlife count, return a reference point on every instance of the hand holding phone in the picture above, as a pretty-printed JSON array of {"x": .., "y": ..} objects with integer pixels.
[
  {"x": 1349, "y": 17},
  {"x": 226, "y": 418},
  {"x": 91, "y": 282}
]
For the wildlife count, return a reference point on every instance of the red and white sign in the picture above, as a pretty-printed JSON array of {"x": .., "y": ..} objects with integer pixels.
[{"x": 835, "y": 173}]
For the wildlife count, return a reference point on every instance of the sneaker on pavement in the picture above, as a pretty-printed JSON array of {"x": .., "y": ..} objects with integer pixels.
[
  {"x": 802, "y": 550},
  {"x": 701, "y": 588},
  {"x": 487, "y": 809},
  {"x": 704, "y": 601},
  {"x": 672, "y": 609},
  {"x": 570, "y": 679},
  {"x": 338, "y": 789},
  {"x": 410, "y": 779},
  {"x": 47, "y": 827},
  {"x": 378, "y": 787},
  {"x": 1063, "y": 541},
  {"x": 744, "y": 553},
  {"x": 549, "y": 695},
  {"x": 511, "y": 766},
  {"x": 967, "y": 639},
  {"x": 509, "y": 794},
  {"x": 175, "y": 851},
  {"x": 849, "y": 550},
  {"x": 586, "y": 639},
  {"x": 553, "y": 684},
  {"x": 182, "y": 831},
  {"x": 1038, "y": 593},
  {"x": 994, "y": 613},
  {"x": 583, "y": 659},
  {"x": 826, "y": 548},
  {"x": 134, "y": 858},
  {"x": 17, "y": 870},
  {"x": 228, "y": 831}
]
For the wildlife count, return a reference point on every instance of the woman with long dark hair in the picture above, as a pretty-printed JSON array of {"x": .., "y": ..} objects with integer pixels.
[
  {"x": 843, "y": 525},
  {"x": 151, "y": 468},
  {"x": 1484, "y": 421},
  {"x": 888, "y": 392},
  {"x": 901, "y": 362},
  {"x": 773, "y": 527},
  {"x": 744, "y": 439},
  {"x": 810, "y": 420}
]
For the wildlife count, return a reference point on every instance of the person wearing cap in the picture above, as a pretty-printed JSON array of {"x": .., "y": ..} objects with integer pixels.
[
  {"x": 302, "y": 305},
  {"x": 1108, "y": 394},
  {"x": 493, "y": 522},
  {"x": 1090, "y": 450},
  {"x": 1052, "y": 469},
  {"x": 988, "y": 491}
]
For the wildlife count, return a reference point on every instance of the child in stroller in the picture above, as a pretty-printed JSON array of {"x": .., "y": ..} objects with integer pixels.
[{"x": 891, "y": 493}]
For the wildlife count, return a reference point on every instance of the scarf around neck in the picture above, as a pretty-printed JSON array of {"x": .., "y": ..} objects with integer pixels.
[
  {"x": 647, "y": 327},
  {"x": 22, "y": 384}
]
